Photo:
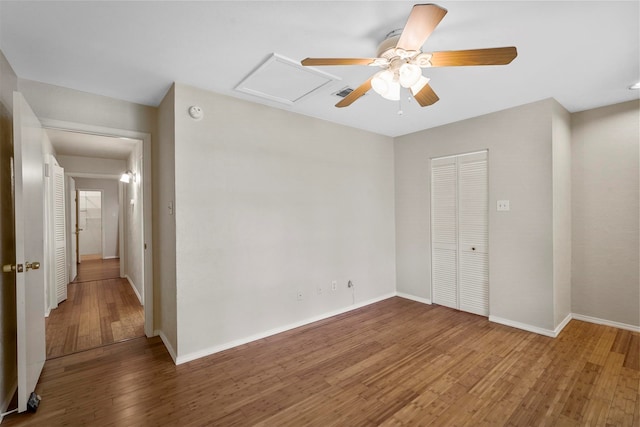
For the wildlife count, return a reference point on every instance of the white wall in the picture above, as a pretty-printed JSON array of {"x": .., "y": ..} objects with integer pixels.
[
  {"x": 269, "y": 203},
  {"x": 519, "y": 141},
  {"x": 133, "y": 217},
  {"x": 606, "y": 282},
  {"x": 59, "y": 103},
  {"x": 110, "y": 212},
  {"x": 561, "y": 169},
  {"x": 74, "y": 165},
  {"x": 164, "y": 234}
]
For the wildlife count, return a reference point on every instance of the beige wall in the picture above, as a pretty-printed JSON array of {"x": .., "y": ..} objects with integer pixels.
[
  {"x": 561, "y": 169},
  {"x": 164, "y": 224},
  {"x": 519, "y": 141},
  {"x": 8, "y": 368},
  {"x": 605, "y": 156},
  {"x": 92, "y": 165},
  {"x": 59, "y": 103},
  {"x": 269, "y": 203}
]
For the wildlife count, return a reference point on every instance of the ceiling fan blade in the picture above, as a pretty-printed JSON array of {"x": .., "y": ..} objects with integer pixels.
[
  {"x": 492, "y": 56},
  {"x": 426, "y": 96},
  {"x": 357, "y": 93},
  {"x": 424, "y": 18},
  {"x": 337, "y": 61}
]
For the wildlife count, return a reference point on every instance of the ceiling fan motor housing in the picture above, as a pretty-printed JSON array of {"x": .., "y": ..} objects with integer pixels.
[{"x": 386, "y": 49}]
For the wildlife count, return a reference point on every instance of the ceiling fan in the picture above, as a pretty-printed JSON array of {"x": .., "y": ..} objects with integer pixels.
[{"x": 401, "y": 59}]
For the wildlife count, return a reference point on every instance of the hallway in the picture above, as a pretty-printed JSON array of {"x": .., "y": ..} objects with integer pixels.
[{"x": 101, "y": 309}]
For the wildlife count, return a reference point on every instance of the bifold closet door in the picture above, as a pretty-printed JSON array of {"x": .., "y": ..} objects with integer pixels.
[
  {"x": 60, "y": 234},
  {"x": 473, "y": 234},
  {"x": 459, "y": 230},
  {"x": 444, "y": 231}
]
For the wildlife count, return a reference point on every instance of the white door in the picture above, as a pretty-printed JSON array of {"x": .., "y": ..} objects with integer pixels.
[
  {"x": 459, "y": 232},
  {"x": 444, "y": 231},
  {"x": 73, "y": 211},
  {"x": 473, "y": 234},
  {"x": 29, "y": 229},
  {"x": 59, "y": 234}
]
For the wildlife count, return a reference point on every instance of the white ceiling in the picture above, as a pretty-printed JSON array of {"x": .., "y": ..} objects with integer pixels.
[
  {"x": 68, "y": 143},
  {"x": 585, "y": 54}
]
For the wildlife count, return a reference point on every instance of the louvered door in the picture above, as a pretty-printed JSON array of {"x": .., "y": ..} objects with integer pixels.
[
  {"x": 473, "y": 234},
  {"x": 60, "y": 254},
  {"x": 444, "y": 231},
  {"x": 459, "y": 230}
]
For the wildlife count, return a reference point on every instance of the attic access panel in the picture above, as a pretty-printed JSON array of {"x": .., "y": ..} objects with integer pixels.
[{"x": 284, "y": 80}]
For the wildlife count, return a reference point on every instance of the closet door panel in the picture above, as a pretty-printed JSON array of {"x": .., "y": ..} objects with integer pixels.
[
  {"x": 60, "y": 234},
  {"x": 445, "y": 277},
  {"x": 473, "y": 233},
  {"x": 444, "y": 232},
  {"x": 473, "y": 284}
]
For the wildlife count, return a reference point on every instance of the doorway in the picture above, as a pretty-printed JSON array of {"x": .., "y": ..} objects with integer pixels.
[
  {"x": 102, "y": 307},
  {"x": 133, "y": 237},
  {"x": 90, "y": 227}
]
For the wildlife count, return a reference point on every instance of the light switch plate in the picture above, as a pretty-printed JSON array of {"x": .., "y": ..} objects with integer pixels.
[{"x": 503, "y": 205}]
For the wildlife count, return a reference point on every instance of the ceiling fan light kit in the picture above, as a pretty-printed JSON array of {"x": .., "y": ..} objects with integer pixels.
[{"x": 402, "y": 60}]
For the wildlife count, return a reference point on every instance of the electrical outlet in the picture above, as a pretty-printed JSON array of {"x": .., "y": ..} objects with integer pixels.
[
  {"x": 319, "y": 290},
  {"x": 334, "y": 285},
  {"x": 300, "y": 296},
  {"x": 503, "y": 205}
]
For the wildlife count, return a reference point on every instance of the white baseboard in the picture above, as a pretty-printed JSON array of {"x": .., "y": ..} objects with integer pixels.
[
  {"x": 167, "y": 344},
  {"x": 605, "y": 322},
  {"x": 126, "y": 276},
  {"x": 216, "y": 349},
  {"x": 6, "y": 401},
  {"x": 562, "y": 324},
  {"x": 554, "y": 333},
  {"x": 524, "y": 326},
  {"x": 413, "y": 298},
  {"x": 110, "y": 257}
]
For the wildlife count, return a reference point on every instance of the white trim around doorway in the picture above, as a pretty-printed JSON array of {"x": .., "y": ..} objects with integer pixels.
[{"x": 146, "y": 199}]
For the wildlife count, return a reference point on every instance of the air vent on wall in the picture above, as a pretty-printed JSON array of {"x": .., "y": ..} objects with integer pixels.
[{"x": 284, "y": 80}]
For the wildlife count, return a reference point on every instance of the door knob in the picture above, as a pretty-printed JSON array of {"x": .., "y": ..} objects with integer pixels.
[
  {"x": 32, "y": 265},
  {"x": 8, "y": 268}
]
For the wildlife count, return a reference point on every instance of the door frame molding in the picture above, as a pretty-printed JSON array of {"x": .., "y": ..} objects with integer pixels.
[{"x": 147, "y": 223}]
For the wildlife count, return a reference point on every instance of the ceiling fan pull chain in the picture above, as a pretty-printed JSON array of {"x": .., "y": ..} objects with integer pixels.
[{"x": 400, "y": 112}]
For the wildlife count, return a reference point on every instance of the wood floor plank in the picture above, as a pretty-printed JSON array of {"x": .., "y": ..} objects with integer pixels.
[
  {"x": 632, "y": 358},
  {"x": 394, "y": 363},
  {"x": 96, "y": 313},
  {"x": 98, "y": 269}
]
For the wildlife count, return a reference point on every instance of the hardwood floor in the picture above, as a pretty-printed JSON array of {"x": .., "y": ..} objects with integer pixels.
[
  {"x": 394, "y": 363},
  {"x": 96, "y": 313},
  {"x": 98, "y": 269}
]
